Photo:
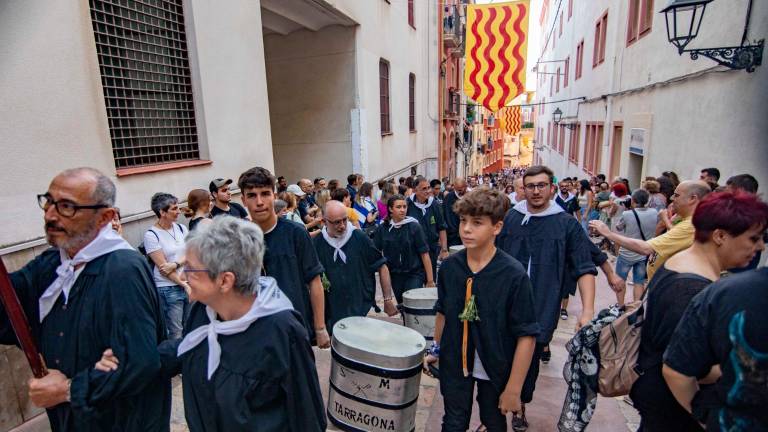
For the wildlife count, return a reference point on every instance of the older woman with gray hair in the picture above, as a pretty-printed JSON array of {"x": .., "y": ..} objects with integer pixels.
[
  {"x": 164, "y": 245},
  {"x": 246, "y": 361}
]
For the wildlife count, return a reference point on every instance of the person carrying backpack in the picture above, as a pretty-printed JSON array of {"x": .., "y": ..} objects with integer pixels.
[{"x": 164, "y": 245}]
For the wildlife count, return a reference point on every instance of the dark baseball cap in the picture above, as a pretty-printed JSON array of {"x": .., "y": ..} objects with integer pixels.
[{"x": 217, "y": 183}]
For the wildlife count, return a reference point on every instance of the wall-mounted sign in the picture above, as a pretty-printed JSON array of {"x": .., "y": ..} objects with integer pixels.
[{"x": 637, "y": 141}]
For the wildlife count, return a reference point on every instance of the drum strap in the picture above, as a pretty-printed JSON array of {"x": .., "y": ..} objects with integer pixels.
[{"x": 465, "y": 335}]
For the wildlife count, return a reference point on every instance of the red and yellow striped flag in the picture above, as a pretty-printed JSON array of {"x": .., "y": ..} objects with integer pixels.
[
  {"x": 496, "y": 46},
  {"x": 510, "y": 119}
]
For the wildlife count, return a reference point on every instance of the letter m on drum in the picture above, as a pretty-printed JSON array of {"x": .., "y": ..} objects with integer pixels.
[{"x": 384, "y": 383}]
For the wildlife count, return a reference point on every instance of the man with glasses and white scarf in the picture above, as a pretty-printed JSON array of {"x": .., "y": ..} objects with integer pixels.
[
  {"x": 90, "y": 291},
  {"x": 351, "y": 261}
]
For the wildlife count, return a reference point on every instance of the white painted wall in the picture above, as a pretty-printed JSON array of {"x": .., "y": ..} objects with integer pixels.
[
  {"x": 52, "y": 114},
  {"x": 311, "y": 81},
  {"x": 714, "y": 120},
  {"x": 384, "y": 33}
]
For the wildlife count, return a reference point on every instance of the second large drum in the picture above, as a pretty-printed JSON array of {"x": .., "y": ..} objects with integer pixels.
[
  {"x": 419, "y": 310},
  {"x": 375, "y": 375}
]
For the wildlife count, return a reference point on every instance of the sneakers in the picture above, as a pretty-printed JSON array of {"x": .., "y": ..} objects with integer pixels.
[
  {"x": 519, "y": 422},
  {"x": 563, "y": 314},
  {"x": 546, "y": 356}
]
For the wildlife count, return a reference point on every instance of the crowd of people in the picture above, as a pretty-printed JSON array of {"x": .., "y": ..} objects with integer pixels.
[{"x": 234, "y": 299}]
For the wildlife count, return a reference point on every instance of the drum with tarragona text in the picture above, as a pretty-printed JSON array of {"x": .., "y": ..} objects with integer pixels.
[
  {"x": 375, "y": 375},
  {"x": 419, "y": 311}
]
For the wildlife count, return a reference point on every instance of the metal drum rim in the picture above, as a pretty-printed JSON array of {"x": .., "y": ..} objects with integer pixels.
[{"x": 347, "y": 351}]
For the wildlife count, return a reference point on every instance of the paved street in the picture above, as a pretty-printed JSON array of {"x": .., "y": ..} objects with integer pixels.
[{"x": 611, "y": 415}]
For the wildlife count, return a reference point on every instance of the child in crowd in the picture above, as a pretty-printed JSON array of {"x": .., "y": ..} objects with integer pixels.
[{"x": 485, "y": 324}]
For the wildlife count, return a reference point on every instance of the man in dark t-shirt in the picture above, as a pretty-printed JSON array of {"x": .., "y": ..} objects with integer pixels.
[
  {"x": 724, "y": 325},
  {"x": 222, "y": 198}
]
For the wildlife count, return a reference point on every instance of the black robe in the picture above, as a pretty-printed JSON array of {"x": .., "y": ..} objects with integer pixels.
[
  {"x": 571, "y": 206},
  {"x": 113, "y": 304},
  {"x": 504, "y": 302},
  {"x": 431, "y": 222},
  {"x": 402, "y": 247},
  {"x": 292, "y": 261},
  {"x": 451, "y": 219},
  {"x": 353, "y": 284},
  {"x": 554, "y": 248},
  {"x": 598, "y": 258},
  {"x": 266, "y": 379}
]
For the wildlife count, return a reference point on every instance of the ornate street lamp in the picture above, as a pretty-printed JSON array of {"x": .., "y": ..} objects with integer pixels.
[
  {"x": 557, "y": 117},
  {"x": 684, "y": 17}
]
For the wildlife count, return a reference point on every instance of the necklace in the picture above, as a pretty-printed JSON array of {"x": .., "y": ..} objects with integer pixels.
[{"x": 170, "y": 232}]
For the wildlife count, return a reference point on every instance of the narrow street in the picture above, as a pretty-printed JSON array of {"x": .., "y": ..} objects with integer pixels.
[{"x": 611, "y": 414}]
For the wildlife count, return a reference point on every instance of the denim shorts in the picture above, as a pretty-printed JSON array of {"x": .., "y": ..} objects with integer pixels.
[{"x": 639, "y": 274}]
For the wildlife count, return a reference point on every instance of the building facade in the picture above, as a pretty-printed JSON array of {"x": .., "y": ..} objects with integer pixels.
[
  {"x": 451, "y": 93},
  {"x": 165, "y": 96},
  {"x": 632, "y": 107}
]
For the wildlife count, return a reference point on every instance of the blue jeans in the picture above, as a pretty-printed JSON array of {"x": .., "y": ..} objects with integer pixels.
[
  {"x": 175, "y": 305},
  {"x": 639, "y": 273}
]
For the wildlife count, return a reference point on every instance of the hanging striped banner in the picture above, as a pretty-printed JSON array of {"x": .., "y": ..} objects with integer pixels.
[
  {"x": 496, "y": 46},
  {"x": 510, "y": 119}
]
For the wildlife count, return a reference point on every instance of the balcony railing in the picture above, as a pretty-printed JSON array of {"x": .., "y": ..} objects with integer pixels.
[
  {"x": 452, "y": 27},
  {"x": 452, "y": 104}
]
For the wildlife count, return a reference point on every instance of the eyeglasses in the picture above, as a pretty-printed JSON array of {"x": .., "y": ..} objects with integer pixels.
[
  {"x": 336, "y": 222},
  {"x": 533, "y": 186},
  {"x": 187, "y": 269},
  {"x": 64, "y": 207}
]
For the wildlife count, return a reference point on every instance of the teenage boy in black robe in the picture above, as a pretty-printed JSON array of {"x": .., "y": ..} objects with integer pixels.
[
  {"x": 551, "y": 246},
  {"x": 485, "y": 326},
  {"x": 245, "y": 361},
  {"x": 290, "y": 257},
  {"x": 424, "y": 208},
  {"x": 350, "y": 261},
  {"x": 451, "y": 218},
  {"x": 401, "y": 240},
  {"x": 104, "y": 297}
]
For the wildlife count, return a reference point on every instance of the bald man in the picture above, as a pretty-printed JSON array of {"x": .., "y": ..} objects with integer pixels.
[
  {"x": 687, "y": 196},
  {"x": 351, "y": 261},
  {"x": 451, "y": 217},
  {"x": 518, "y": 194}
]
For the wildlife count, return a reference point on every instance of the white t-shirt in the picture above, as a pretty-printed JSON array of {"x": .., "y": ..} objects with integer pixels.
[
  {"x": 478, "y": 371},
  {"x": 171, "y": 242}
]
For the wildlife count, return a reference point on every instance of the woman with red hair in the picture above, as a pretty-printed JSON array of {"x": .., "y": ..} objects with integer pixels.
[{"x": 729, "y": 232}]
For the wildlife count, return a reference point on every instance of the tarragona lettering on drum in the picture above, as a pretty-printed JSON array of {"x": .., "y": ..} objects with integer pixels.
[{"x": 364, "y": 418}]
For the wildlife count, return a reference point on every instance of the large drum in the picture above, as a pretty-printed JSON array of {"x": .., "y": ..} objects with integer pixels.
[
  {"x": 419, "y": 310},
  {"x": 375, "y": 375}
]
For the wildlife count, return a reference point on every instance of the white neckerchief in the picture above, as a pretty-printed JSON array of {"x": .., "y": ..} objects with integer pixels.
[
  {"x": 457, "y": 195},
  {"x": 338, "y": 243},
  {"x": 106, "y": 241},
  {"x": 566, "y": 199},
  {"x": 522, "y": 207},
  {"x": 269, "y": 301},
  {"x": 406, "y": 220},
  {"x": 423, "y": 207}
]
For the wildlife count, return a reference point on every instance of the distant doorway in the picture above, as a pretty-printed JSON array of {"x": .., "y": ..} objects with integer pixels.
[{"x": 618, "y": 133}]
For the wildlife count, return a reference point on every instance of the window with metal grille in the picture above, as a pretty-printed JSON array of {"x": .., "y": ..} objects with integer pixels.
[
  {"x": 412, "y": 102},
  {"x": 384, "y": 96},
  {"x": 142, "y": 51}
]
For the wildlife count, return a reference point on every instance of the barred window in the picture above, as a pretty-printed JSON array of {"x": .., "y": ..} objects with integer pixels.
[{"x": 142, "y": 51}]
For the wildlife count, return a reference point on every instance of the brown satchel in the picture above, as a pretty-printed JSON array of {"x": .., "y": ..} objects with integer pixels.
[{"x": 619, "y": 348}]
